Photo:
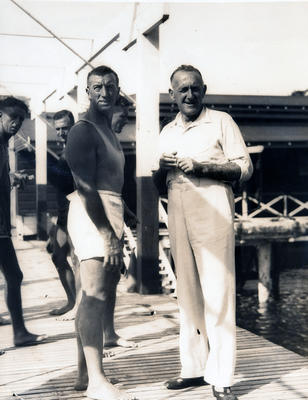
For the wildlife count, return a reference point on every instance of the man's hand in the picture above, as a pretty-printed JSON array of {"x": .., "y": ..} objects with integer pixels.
[
  {"x": 113, "y": 254},
  {"x": 130, "y": 218},
  {"x": 188, "y": 165},
  {"x": 168, "y": 161},
  {"x": 20, "y": 178}
]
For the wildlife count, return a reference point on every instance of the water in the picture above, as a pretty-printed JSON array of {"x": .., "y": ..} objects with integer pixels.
[{"x": 285, "y": 321}]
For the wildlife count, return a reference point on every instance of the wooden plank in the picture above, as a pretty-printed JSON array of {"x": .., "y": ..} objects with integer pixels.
[
  {"x": 264, "y": 371},
  {"x": 147, "y": 133},
  {"x": 41, "y": 177}
]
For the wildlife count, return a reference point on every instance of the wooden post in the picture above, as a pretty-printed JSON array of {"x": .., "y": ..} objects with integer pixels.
[
  {"x": 285, "y": 205},
  {"x": 276, "y": 265},
  {"x": 244, "y": 202},
  {"x": 41, "y": 177},
  {"x": 12, "y": 161},
  {"x": 264, "y": 269},
  {"x": 147, "y": 133},
  {"x": 82, "y": 97}
]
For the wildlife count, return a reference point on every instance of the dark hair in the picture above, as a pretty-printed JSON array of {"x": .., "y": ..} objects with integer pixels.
[
  {"x": 101, "y": 71},
  {"x": 63, "y": 114},
  {"x": 122, "y": 102},
  {"x": 13, "y": 102},
  {"x": 188, "y": 68}
]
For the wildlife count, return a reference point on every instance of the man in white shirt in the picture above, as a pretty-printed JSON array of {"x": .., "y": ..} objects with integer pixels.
[{"x": 202, "y": 153}]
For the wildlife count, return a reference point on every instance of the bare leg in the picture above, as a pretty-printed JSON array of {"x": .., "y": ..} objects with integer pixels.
[
  {"x": 60, "y": 248},
  {"x": 3, "y": 320},
  {"x": 13, "y": 276},
  {"x": 111, "y": 338},
  {"x": 70, "y": 315},
  {"x": 95, "y": 284},
  {"x": 82, "y": 380}
]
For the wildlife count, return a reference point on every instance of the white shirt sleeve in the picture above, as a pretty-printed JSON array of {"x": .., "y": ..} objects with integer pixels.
[{"x": 235, "y": 148}]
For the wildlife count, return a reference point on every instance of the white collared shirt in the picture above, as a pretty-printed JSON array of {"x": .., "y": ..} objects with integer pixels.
[{"x": 213, "y": 137}]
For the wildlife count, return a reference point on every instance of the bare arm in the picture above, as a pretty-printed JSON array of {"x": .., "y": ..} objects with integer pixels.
[
  {"x": 228, "y": 172},
  {"x": 130, "y": 217},
  {"x": 237, "y": 167}
]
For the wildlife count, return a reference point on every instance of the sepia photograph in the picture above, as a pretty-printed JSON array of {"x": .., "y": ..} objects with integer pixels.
[{"x": 153, "y": 200}]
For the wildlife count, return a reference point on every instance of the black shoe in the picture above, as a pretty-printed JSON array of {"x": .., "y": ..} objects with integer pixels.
[
  {"x": 225, "y": 395},
  {"x": 182, "y": 383}
]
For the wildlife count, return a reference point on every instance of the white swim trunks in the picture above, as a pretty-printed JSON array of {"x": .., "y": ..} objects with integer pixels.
[{"x": 87, "y": 241}]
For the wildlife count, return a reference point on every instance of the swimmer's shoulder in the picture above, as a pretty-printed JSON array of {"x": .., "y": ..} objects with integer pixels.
[{"x": 82, "y": 132}]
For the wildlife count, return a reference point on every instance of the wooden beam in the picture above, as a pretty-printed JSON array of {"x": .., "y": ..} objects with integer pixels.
[
  {"x": 147, "y": 133},
  {"x": 82, "y": 97},
  {"x": 41, "y": 177},
  {"x": 265, "y": 281},
  {"x": 148, "y": 32},
  {"x": 104, "y": 47},
  {"x": 12, "y": 161},
  {"x": 50, "y": 31},
  {"x": 48, "y": 96}
]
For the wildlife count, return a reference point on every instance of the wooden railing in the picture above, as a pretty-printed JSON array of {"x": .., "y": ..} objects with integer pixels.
[
  {"x": 283, "y": 205},
  {"x": 280, "y": 206},
  {"x": 168, "y": 280}
]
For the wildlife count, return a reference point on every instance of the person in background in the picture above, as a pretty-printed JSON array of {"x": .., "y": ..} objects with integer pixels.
[
  {"x": 12, "y": 114},
  {"x": 59, "y": 245},
  {"x": 120, "y": 114},
  {"x": 202, "y": 153}
]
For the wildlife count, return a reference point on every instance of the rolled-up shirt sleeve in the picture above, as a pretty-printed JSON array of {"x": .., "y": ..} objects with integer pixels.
[{"x": 235, "y": 148}]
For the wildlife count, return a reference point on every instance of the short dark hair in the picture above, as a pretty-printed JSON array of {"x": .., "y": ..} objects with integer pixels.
[
  {"x": 63, "y": 114},
  {"x": 11, "y": 101},
  {"x": 188, "y": 68},
  {"x": 122, "y": 102},
  {"x": 101, "y": 71}
]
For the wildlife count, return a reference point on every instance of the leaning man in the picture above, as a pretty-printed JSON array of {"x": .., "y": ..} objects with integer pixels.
[
  {"x": 12, "y": 114},
  {"x": 202, "y": 153}
]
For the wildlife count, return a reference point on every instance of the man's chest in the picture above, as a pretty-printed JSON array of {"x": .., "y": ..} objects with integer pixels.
[{"x": 192, "y": 142}]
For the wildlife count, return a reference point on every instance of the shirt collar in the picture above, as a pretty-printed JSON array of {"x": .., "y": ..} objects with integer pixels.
[{"x": 203, "y": 118}]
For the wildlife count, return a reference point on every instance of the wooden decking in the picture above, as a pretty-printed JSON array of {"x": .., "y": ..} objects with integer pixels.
[{"x": 264, "y": 370}]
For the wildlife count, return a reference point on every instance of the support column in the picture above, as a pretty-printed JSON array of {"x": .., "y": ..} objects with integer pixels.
[
  {"x": 264, "y": 270},
  {"x": 147, "y": 133},
  {"x": 82, "y": 97},
  {"x": 12, "y": 161},
  {"x": 41, "y": 177}
]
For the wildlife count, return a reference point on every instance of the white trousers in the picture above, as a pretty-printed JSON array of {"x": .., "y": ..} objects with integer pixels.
[{"x": 200, "y": 213}]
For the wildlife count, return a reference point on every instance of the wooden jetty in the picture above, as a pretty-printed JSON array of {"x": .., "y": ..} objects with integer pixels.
[{"x": 264, "y": 371}]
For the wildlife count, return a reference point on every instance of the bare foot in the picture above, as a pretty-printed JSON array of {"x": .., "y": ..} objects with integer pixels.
[
  {"x": 62, "y": 310},
  {"x": 119, "y": 341},
  {"x": 28, "y": 339},
  {"x": 81, "y": 382},
  {"x": 82, "y": 379},
  {"x": 108, "y": 353},
  {"x": 107, "y": 391},
  {"x": 69, "y": 316},
  {"x": 4, "y": 321}
]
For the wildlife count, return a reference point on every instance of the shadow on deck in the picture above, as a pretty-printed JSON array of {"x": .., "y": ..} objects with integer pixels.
[{"x": 264, "y": 370}]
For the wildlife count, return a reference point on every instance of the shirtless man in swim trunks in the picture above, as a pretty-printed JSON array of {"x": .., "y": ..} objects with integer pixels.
[
  {"x": 12, "y": 114},
  {"x": 95, "y": 224},
  {"x": 59, "y": 175}
]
